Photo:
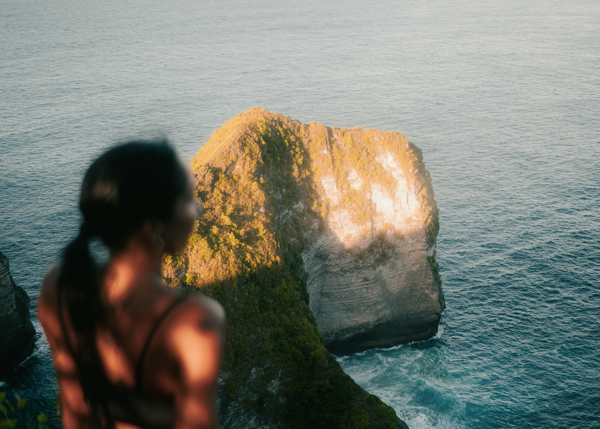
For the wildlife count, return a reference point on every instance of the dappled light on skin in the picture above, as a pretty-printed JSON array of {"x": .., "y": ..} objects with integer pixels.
[
  {"x": 192, "y": 341},
  {"x": 194, "y": 413},
  {"x": 116, "y": 363},
  {"x": 144, "y": 355},
  {"x": 183, "y": 357},
  {"x": 72, "y": 398},
  {"x": 123, "y": 425}
]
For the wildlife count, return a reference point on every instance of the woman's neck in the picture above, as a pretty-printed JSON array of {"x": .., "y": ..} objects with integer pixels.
[{"x": 134, "y": 267}]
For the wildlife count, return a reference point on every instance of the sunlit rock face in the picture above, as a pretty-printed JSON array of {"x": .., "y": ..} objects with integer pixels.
[
  {"x": 372, "y": 273},
  {"x": 281, "y": 198},
  {"x": 17, "y": 333}
]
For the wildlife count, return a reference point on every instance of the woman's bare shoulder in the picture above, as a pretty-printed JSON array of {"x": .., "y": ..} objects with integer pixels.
[
  {"x": 195, "y": 339},
  {"x": 204, "y": 312},
  {"x": 209, "y": 305}
]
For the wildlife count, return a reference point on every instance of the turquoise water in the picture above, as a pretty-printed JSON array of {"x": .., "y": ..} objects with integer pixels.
[{"x": 503, "y": 98}]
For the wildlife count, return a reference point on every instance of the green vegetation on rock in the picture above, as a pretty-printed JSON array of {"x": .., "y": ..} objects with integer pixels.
[
  {"x": 259, "y": 179},
  {"x": 11, "y": 414}
]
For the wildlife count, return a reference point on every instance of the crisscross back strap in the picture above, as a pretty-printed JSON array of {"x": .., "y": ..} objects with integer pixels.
[{"x": 140, "y": 366}]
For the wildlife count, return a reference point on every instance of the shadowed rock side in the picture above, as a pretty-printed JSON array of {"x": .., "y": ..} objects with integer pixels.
[
  {"x": 17, "y": 336},
  {"x": 256, "y": 179},
  {"x": 373, "y": 278}
]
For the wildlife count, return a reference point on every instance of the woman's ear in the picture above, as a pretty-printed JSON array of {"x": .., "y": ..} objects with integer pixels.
[{"x": 153, "y": 230}]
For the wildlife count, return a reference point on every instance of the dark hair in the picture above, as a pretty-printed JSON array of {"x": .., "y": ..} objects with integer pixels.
[{"x": 127, "y": 185}]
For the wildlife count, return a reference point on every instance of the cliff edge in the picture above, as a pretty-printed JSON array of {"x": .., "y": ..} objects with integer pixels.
[
  {"x": 308, "y": 228},
  {"x": 17, "y": 336}
]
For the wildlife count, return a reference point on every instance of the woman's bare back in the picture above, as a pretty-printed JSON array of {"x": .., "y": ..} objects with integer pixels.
[{"x": 176, "y": 358}]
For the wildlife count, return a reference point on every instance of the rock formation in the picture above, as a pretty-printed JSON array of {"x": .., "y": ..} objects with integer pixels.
[
  {"x": 305, "y": 217},
  {"x": 17, "y": 336},
  {"x": 372, "y": 275}
]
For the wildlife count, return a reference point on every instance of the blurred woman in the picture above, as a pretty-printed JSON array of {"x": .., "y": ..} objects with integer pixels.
[{"x": 128, "y": 351}]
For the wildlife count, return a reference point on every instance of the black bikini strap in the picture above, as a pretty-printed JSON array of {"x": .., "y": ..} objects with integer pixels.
[{"x": 157, "y": 323}]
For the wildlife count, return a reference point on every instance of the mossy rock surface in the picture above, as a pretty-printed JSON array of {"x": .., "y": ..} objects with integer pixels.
[
  {"x": 17, "y": 338},
  {"x": 256, "y": 180}
]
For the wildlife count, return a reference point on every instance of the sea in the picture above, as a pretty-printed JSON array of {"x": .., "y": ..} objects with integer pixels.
[{"x": 503, "y": 98}]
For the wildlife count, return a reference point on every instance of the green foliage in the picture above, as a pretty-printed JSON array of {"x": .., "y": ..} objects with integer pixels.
[
  {"x": 256, "y": 180},
  {"x": 10, "y": 411}
]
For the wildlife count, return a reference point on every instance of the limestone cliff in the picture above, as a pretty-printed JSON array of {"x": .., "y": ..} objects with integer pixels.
[
  {"x": 17, "y": 333},
  {"x": 298, "y": 215},
  {"x": 372, "y": 275}
]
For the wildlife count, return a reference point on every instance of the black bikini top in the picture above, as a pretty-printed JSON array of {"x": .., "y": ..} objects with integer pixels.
[{"x": 136, "y": 406}]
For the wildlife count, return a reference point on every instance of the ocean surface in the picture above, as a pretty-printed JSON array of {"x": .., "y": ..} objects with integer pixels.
[{"x": 503, "y": 97}]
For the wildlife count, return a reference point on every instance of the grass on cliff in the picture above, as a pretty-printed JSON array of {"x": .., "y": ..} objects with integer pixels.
[
  {"x": 256, "y": 181},
  {"x": 11, "y": 413}
]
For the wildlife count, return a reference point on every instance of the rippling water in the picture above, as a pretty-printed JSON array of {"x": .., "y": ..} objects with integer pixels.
[{"x": 503, "y": 98}]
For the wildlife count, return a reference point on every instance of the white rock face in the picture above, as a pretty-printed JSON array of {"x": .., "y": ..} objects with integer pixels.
[
  {"x": 371, "y": 284},
  {"x": 368, "y": 219}
]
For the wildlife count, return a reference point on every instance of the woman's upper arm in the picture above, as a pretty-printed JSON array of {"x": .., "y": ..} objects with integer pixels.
[
  {"x": 75, "y": 409},
  {"x": 197, "y": 340}
]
